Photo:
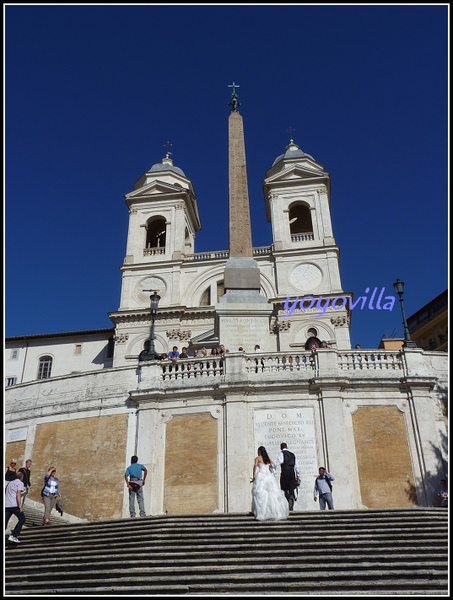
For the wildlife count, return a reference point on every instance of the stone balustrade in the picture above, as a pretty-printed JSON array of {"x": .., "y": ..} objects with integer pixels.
[
  {"x": 372, "y": 360},
  {"x": 153, "y": 251},
  {"x": 302, "y": 237},
  {"x": 280, "y": 362},
  {"x": 224, "y": 254},
  {"x": 112, "y": 387},
  {"x": 191, "y": 368},
  {"x": 302, "y": 366}
]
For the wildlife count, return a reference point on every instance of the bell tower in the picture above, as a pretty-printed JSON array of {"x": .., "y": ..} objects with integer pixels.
[
  {"x": 163, "y": 215},
  {"x": 163, "y": 220},
  {"x": 297, "y": 195}
]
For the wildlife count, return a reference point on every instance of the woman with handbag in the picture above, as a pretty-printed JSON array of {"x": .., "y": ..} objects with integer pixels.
[{"x": 50, "y": 492}]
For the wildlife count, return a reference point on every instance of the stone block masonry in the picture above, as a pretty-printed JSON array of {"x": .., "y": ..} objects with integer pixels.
[
  {"x": 90, "y": 457},
  {"x": 384, "y": 463}
]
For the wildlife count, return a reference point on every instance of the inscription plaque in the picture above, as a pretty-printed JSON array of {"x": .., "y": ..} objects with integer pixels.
[
  {"x": 17, "y": 435},
  {"x": 244, "y": 331},
  {"x": 296, "y": 427}
]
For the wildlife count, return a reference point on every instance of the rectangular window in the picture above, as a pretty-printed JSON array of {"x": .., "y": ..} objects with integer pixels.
[
  {"x": 11, "y": 381},
  {"x": 78, "y": 350},
  {"x": 14, "y": 354}
]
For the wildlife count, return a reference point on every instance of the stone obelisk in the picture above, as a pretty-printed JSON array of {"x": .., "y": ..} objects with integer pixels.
[
  {"x": 240, "y": 231},
  {"x": 242, "y": 313}
]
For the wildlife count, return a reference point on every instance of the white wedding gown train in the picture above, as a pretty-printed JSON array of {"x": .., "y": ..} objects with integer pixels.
[{"x": 268, "y": 500}]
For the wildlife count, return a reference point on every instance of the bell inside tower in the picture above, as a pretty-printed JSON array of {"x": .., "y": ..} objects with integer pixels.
[{"x": 156, "y": 233}]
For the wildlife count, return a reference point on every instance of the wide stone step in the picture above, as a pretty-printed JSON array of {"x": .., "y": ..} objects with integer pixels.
[
  {"x": 311, "y": 517},
  {"x": 422, "y": 543},
  {"x": 362, "y": 552},
  {"x": 312, "y": 581},
  {"x": 232, "y": 566},
  {"x": 251, "y": 527},
  {"x": 241, "y": 542},
  {"x": 291, "y": 525},
  {"x": 111, "y": 561},
  {"x": 422, "y": 588}
]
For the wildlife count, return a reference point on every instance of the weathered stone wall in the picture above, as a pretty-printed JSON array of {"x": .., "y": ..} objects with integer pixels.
[
  {"x": 191, "y": 476},
  {"x": 378, "y": 429},
  {"x": 383, "y": 458},
  {"x": 15, "y": 450},
  {"x": 90, "y": 457}
]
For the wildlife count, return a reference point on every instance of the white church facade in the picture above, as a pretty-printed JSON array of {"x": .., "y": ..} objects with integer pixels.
[{"x": 85, "y": 401}]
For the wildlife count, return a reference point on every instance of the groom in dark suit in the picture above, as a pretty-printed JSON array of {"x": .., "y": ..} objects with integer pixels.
[{"x": 289, "y": 471}]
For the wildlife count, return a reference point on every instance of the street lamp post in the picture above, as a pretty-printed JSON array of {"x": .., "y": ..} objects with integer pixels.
[
  {"x": 408, "y": 342},
  {"x": 149, "y": 352}
]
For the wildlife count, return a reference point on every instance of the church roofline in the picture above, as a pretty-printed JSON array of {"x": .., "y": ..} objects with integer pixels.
[{"x": 15, "y": 338}]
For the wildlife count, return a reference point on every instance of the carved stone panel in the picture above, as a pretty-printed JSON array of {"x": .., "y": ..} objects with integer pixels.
[
  {"x": 306, "y": 277},
  {"x": 296, "y": 427},
  {"x": 149, "y": 283}
]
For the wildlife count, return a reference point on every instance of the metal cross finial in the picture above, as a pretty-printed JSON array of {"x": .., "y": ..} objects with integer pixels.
[
  {"x": 234, "y": 103},
  {"x": 168, "y": 145},
  {"x": 291, "y": 129}
]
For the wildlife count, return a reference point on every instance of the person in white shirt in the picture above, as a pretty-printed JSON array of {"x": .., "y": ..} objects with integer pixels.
[
  {"x": 289, "y": 471},
  {"x": 13, "y": 505}
]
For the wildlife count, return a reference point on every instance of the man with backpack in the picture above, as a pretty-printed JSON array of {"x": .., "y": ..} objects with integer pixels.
[{"x": 323, "y": 487}]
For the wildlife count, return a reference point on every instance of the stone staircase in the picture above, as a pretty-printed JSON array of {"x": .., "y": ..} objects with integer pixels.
[{"x": 375, "y": 552}]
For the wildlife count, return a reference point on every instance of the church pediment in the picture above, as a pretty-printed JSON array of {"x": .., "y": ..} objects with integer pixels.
[
  {"x": 297, "y": 172},
  {"x": 155, "y": 188}
]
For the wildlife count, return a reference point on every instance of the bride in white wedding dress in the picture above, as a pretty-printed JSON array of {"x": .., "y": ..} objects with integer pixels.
[{"x": 268, "y": 500}]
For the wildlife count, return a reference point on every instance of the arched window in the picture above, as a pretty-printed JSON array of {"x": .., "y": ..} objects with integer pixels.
[
  {"x": 156, "y": 232},
  {"x": 206, "y": 297},
  {"x": 300, "y": 219},
  {"x": 44, "y": 367}
]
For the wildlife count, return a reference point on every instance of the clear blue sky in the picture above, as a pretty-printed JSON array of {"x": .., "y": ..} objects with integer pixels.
[{"x": 94, "y": 92}]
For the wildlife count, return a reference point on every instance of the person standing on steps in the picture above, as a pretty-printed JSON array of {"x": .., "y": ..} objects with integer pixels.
[
  {"x": 10, "y": 473},
  {"x": 27, "y": 483},
  {"x": 135, "y": 485},
  {"x": 50, "y": 492},
  {"x": 268, "y": 500},
  {"x": 323, "y": 487},
  {"x": 289, "y": 471},
  {"x": 442, "y": 496}
]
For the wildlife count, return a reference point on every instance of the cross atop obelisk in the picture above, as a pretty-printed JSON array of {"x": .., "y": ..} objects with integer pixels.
[
  {"x": 234, "y": 102},
  {"x": 240, "y": 231}
]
